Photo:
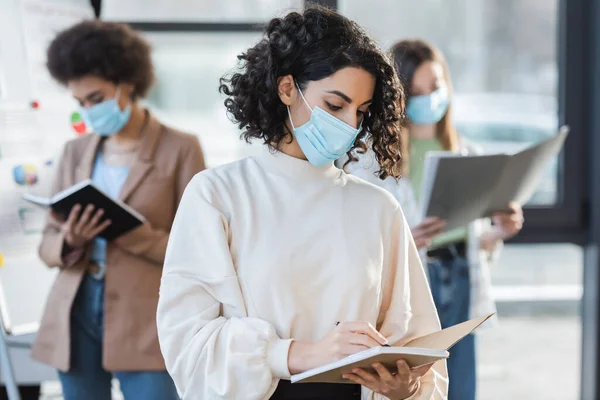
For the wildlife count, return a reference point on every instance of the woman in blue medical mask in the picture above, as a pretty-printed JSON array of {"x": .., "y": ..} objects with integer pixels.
[
  {"x": 99, "y": 322},
  {"x": 281, "y": 262},
  {"x": 458, "y": 260}
]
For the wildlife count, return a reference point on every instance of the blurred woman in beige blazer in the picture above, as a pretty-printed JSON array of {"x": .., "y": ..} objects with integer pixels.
[{"x": 100, "y": 319}]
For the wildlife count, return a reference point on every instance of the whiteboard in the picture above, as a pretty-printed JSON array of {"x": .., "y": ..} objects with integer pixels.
[{"x": 31, "y": 140}]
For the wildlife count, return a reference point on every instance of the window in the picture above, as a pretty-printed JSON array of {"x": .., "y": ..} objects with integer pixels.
[
  {"x": 503, "y": 60},
  {"x": 185, "y": 96},
  {"x": 195, "y": 11},
  {"x": 538, "y": 291}
]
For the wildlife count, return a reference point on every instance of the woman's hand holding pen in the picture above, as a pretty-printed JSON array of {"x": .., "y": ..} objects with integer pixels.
[
  {"x": 81, "y": 227},
  {"x": 345, "y": 339}
]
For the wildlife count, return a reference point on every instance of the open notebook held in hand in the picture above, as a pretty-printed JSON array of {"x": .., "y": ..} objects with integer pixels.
[
  {"x": 421, "y": 351},
  {"x": 123, "y": 218}
]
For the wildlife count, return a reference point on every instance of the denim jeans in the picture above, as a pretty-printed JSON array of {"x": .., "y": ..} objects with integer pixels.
[
  {"x": 450, "y": 287},
  {"x": 87, "y": 379}
]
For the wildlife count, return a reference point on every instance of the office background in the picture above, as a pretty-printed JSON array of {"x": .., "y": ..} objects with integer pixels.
[{"x": 521, "y": 68}]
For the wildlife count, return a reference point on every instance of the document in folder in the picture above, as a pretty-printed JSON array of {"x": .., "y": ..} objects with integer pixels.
[
  {"x": 460, "y": 189},
  {"x": 423, "y": 350}
]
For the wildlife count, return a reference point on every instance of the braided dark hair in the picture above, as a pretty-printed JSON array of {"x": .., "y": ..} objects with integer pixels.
[{"x": 312, "y": 46}]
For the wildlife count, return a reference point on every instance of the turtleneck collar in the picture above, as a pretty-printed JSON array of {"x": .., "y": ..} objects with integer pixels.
[{"x": 290, "y": 167}]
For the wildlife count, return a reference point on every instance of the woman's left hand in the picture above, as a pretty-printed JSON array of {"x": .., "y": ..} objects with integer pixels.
[
  {"x": 509, "y": 223},
  {"x": 398, "y": 386}
]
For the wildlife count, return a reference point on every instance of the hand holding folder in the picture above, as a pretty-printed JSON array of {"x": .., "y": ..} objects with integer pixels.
[{"x": 460, "y": 189}]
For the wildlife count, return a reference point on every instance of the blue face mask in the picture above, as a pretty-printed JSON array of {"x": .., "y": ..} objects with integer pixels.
[
  {"x": 324, "y": 138},
  {"x": 106, "y": 118},
  {"x": 428, "y": 109}
]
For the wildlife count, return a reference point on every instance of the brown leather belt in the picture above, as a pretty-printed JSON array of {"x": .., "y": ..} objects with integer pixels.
[{"x": 448, "y": 252}]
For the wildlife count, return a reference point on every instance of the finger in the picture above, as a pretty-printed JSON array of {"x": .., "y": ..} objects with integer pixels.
[
  {"x": 365, "y": 375},
  {"x": 417, "y": 232},
  {"x": 57, "y": 217},
  {"x": 96, "y": 218},
  {"x": 510, "y": 223},
  {"x": 434, "y": 229},
  {"x": 367, "y": 329},
  {"x": 355, "y": 378},
  {"x": 518, "y": 218},
  {"x": 348, "y": 349},
  {"x": 420, "y": 371},
  {"x": 441, "y": 224},
  {"x": 100, "y": 228},
  {"x": 510, "y": 209},
  {"x": 92, "y": 223},
  {"x": 422, "y": 243},
  {"x": 502, "y": 216},
  {"x": 436, "y": 232},
  {"x": 384, "y": 373},
  {"x": 84, "y": 219},
  {"x": 362, "y": 340},
  {"x": 429, "y": 224},
  {"x": 430, "y": 220},
  {"x": 505, "y": 223},
  {"x": 403, "y": 370},
  {"x": 421, "y": 228},
  {"x": 516, "y": 207},
  {"x": 73, "y": 215}
]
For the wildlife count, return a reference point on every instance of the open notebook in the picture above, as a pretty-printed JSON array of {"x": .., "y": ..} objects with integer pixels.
[
  {"x": 123, "y": 218},
  {"x": 420, "y": 351}
]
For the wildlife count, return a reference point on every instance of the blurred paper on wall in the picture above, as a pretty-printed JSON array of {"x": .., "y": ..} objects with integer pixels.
[{"x": 35, "y": 123}]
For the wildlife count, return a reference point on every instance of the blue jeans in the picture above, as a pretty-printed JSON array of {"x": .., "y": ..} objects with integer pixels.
[
  {"x": 451, "y": 290},
  {"x": 87, "y": 379}
]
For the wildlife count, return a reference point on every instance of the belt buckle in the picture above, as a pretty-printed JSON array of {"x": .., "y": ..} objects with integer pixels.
[
  {"x": 453, "y": 250},
  {"x": 93, "y": 269}
]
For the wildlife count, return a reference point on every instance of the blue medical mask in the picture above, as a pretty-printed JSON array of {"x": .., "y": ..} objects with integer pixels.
[
  {"x": 106, "y": 118},
  {"x": 428, "y": 109},
  {"x": 324, "y": 138}
]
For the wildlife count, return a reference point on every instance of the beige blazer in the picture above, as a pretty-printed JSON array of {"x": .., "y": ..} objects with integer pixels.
[{"x": 166, "y": 161}]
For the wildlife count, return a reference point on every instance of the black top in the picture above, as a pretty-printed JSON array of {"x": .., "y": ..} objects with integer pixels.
[{"x": 316, "y": 391}]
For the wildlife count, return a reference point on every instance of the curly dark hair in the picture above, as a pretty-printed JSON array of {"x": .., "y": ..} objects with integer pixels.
[
  {"x": 312, "y": 46},
  {"x": 107, "y": 50}
]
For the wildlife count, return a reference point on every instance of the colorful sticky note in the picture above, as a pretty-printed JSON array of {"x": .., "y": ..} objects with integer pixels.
[
  {"x": 1, "y": 260},
  {"x": 25, "y": 174},
  {"x": 78, "y": 124}
]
